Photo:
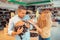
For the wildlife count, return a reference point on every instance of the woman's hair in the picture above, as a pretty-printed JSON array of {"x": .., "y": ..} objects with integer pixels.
[{"x": 44, "y": 19}]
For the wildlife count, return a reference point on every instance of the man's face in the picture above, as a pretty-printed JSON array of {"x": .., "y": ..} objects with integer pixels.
[{"x": 21, "y": 13}]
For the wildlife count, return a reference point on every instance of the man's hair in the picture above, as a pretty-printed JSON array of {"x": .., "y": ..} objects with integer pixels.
[{"x": 22, "y": 7}]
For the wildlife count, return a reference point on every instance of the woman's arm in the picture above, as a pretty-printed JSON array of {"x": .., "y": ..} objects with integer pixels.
[{"x": 35, "y": 25}]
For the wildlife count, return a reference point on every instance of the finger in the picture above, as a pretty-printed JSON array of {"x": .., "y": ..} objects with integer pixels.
[
  {"x": 29, "y": 21},
  {"x": 21, "y": 28}
]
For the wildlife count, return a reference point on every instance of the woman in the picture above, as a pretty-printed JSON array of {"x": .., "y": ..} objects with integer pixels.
[{"x": 43, "y": 25}]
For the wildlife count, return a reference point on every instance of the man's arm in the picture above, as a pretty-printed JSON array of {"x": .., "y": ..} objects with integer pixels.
[
  {"x": 11, "y": 27},
  {"x": 18, "y": 31}
]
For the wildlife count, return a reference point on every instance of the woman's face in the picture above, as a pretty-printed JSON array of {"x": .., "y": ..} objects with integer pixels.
[{"x": 46, "y": 14}]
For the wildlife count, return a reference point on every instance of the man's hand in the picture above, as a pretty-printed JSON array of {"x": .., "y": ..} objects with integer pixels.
[{"x": 19, "y": 30}]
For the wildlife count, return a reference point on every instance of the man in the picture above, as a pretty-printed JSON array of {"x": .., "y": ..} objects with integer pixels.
[{"x": 21, "y": 15}]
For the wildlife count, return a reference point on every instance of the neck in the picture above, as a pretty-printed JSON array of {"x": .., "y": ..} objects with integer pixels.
[{"x": 20, "y": 17}]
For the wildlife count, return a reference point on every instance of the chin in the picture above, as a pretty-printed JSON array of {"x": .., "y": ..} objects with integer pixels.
[{"x": 22, "y": 17}]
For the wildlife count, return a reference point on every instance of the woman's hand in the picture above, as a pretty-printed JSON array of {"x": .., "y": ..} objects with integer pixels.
[
  {"x": 27, "y": 25},
  {"x": 31, "y": 21}
]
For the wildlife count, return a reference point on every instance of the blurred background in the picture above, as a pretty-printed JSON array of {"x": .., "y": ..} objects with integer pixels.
[{"x": 8, "y": 9}]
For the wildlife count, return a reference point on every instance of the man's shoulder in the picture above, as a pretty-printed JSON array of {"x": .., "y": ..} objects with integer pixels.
[
  {"x": 14, "y": 17},
  {"x": 27, "y": 16}
]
